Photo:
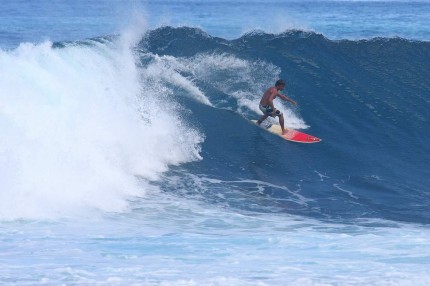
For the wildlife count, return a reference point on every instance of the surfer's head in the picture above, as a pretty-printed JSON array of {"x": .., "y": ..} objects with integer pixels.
[{"x": 280, "y": 84}]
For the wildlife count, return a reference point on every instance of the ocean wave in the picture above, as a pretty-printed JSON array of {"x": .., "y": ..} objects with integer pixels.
[
  {"x": 97, "y": 119},
  {"x": 82, "y": 130},
  {"x": 367, "y": 99}
]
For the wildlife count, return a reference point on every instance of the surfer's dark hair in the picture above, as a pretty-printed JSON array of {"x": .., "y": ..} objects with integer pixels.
[{"x": 280, "y": 82}]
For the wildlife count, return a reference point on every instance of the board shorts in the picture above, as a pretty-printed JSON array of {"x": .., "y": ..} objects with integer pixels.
[{"x": 267, "y": 110}]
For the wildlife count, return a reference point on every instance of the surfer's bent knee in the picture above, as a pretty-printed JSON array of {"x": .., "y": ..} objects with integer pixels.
[{"x": 278, "y": 113}]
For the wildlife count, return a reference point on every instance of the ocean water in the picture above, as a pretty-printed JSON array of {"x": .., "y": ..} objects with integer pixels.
[{"x": 127, "y": 156}]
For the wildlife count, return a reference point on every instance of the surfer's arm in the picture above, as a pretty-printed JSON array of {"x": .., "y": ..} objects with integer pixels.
[
  {"x": 283, "y": 97},
  {"x": 270, "y": 101}
]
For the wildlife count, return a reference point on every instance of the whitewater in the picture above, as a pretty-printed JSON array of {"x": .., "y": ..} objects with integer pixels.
[{"x": 127, "y": 156}]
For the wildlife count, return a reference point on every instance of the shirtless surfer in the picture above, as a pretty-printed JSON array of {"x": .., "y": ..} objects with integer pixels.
[{"x": 266, "y": 103}]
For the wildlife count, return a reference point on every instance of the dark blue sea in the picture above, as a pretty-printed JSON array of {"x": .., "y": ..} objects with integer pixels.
[{"x": 127, "y": 155}]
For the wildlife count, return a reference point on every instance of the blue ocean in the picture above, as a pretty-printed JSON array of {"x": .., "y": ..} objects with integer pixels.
[{"x": 127, "y": 155}]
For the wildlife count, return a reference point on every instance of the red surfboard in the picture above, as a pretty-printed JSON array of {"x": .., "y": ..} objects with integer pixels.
[{"x": 291, "y": 135}]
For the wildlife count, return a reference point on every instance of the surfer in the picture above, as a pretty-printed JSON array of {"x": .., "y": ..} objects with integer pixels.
[{"x": 266, "y": 103}]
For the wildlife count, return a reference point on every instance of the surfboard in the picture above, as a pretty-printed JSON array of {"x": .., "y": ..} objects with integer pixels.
[{"x": 291, "y": 135}]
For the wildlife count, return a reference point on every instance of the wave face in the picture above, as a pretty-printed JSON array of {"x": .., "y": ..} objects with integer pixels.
[
  {"x": 368, "y": 100},
  {"x": 97, "y": 119}
]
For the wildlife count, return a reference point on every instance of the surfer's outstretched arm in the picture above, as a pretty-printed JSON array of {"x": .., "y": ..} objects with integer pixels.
[{"x": 285, "y": 98}]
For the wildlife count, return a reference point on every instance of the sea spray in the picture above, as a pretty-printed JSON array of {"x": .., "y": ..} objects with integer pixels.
[
  {"x": 239, "y": 80},
  {"x": 75, "y": 135}
]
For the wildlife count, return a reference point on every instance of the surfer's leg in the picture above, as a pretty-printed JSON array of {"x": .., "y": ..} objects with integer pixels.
[
  {"x": 281, "y": 122},
  {"x": 262, "y": 118}
]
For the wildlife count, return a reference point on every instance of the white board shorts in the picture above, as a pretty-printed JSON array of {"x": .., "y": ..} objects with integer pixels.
[{"x": 267, "y": 110}]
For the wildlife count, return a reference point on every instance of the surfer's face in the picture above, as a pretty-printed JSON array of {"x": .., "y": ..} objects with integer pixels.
[{"x": 281, "y": 87}]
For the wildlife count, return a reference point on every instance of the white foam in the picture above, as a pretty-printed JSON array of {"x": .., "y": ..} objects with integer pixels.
[
  {"x": 180, "y": 241},
  {"x": 243, "y": 80},
  {"x": 78, "y": 128},
  {"x": 168, "y": 69}
]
